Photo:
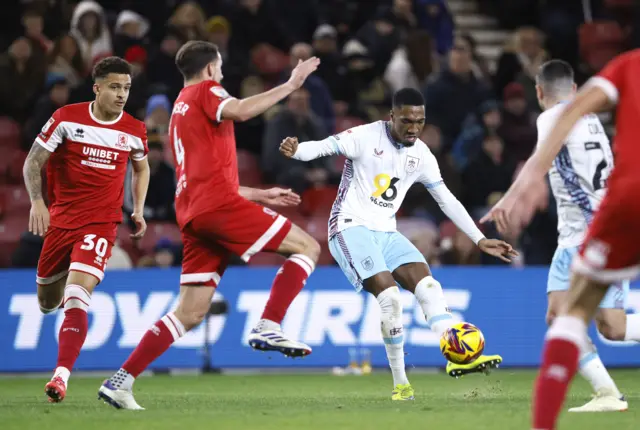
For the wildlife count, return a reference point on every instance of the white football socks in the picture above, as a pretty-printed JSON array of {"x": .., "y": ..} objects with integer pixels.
[
  {"x": 633, "y": 327},
  {"x": 392, "y": 332},
  {"x": 592, "y": 369},
  {"x": 431, "y": 298}
]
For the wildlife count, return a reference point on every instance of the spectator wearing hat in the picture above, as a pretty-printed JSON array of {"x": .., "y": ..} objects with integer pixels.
[
  {"x": 219, "y": 31},
  {"x": 164, "y": 255},
  {"x": 130, "y": 30},
  {"x": 65, "y": 59},
  {"x": 90, "y": 29},
  {"x": 57, "y": 95},
  {"x": 381, "y": 37},
  {"x": 158, "y": 113},
  {"x": 487, "y": 119},
  {"x": 412, "y": 63},
  {"x": 434, "y": 17},
  {"x": 162, "y": 72},
  {"x": 332, "y": 69},
  {"x": 518, "y": 123}
]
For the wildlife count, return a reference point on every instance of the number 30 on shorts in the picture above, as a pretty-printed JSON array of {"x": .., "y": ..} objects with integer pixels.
[{"x": 100, "y": 245}]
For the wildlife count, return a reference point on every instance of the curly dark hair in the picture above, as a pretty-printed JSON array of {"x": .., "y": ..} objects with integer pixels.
[{"x": 110, "y": 65}]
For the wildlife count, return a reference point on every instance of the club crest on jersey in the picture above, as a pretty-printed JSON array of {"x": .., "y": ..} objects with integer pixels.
[
  {"x": 122, "y": 142},
  {"x": 219, "y": 92},
  {"x": 48, "y": 124},
  {"x": 412, "y": 164},
  {"x": 367, "y": 263}
]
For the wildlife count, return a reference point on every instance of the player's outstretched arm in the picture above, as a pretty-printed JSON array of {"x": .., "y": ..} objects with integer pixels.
[
  {"x": 273, "y": 196},
  {"x": 245, "y": 109},
  {"x": 32, "y": 172},
  {"x": 139, "y": 188},
  {"x": 591, "y": 100}
]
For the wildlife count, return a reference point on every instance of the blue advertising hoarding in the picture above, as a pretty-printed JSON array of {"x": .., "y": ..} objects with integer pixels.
[{"x": 507, "y": 304}]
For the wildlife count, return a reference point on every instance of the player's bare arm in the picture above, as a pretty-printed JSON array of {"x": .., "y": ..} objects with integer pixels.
[
  {"x": 245, "y": 109},
  {"x": 591, "y": 100},
  {"x": 273, "y": 196},
  {"x": 32, "y": 172},
  {"x": 139, "y": 188}
]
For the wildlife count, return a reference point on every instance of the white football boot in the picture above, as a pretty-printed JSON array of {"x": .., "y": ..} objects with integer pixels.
[
  {"x": 118, "y": 398},
  {"x": 268, "y": 336},
  {"x": 603, "y": 402}
]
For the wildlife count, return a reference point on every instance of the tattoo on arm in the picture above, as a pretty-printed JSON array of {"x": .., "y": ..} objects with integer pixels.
[{"x": 32, "y": 170}]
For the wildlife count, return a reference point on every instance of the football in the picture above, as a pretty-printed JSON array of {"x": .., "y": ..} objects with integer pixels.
[{"x": 462, "y": 343}]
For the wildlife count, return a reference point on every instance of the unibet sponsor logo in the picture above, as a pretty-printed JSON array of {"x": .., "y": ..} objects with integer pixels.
[{"x": 385, "y": 190}]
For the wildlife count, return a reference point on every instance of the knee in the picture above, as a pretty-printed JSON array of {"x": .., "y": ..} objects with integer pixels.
[
  {"x": 610, "y": 331},
  {"x": 390, "y": 301},
  {"x": 191, "y": 318},
  {"x": 311, "y": 248},
  {"x": 49, "y": 304}
]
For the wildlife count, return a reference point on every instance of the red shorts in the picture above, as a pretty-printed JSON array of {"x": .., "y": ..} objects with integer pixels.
[
  {"x": 611, "y": 251},
  {"x": 243, "y": 228},
  {"x": 86, "y": 249}
]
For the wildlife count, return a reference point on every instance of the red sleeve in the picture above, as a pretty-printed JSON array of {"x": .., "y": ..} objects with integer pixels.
[
  {"x": 140, "y": 151},
  {"x": 52, "y": 134},
  {"x": 214, "y": 97},
  {"x": 611, "y": 78}
]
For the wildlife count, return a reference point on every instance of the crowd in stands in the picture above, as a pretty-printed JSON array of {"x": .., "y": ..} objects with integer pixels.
[{"x": 480, "y": 118}]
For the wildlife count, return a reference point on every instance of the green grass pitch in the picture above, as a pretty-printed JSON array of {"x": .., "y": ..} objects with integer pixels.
[{"x": 306, "y": 401}]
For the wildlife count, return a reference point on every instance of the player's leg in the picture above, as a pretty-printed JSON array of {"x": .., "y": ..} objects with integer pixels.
[
  {"x": 302, "y": 252},
  {"x": 612, "y": 320},
  {"x": 412, "y": 272},
  {"x": 202, "y": 267},
  {"x": 590, "y": 364},
  {"x": 360, "y": 258},
  {"x": 53, "y": 268}
]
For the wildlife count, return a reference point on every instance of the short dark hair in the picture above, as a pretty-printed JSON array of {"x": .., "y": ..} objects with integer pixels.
[
  {"x": 553, "y": 72},
  {"x": 407, "y": 97},
  {"x": 194, "y": 56},
  {"x": 110, "y": 65}
]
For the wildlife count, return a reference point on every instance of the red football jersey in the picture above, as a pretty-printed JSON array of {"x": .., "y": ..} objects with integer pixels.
[
  {"x": 619, "y": 81},
  {"x": 204, "y": 151},
  {"x": 86, "y": 172}
]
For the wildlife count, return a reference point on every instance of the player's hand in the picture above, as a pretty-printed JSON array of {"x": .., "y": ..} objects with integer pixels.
[
  {"x": 141, "y": 226},
  {"x": 280, "y": 197},
  {"x": 302, "y": 71},
  {"x": 500, "y": 215},
  {"x": 39, "y": 218},
  {"x": 289, "y": 146},
  {"x": 498, "y": 248}
]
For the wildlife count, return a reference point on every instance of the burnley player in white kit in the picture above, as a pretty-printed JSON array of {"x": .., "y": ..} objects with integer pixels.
[
  {"x": 384, "y": 159},
  {"x": 88, "y": 147}
]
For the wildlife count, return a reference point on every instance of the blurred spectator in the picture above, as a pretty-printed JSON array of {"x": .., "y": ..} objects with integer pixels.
[
  {"x": 454, "y": 93},
  {"x": 219, "y": 31},
  {"x": 249, "y": 133},
  {"x": 119, "y": 259},
  {"x": 321, "y": 102},
  {"x": 458, "y": 249},
  {"x": 364, "y": 89},
  {"x": 162, "y": 71},
  {"x": 137, "y": 57},
  {"x": 487, "y": 119},
  {"x": 434, "y": 16},
  {"x": 525, "y": 53},
  {"x": 332, "y": 69},
  {"x": 479, "y": 65},
  {"x": 89, "y": 27},
  {"x": 56, "y": 97},
  {"x": 21, "y": 80},
  {"x": 301, "y": 17},
  {"x": 28, "y": 251},
  {"x": 412, "y": 63},
  {"x": 423, "y": 235},
  {"x": 404, "y": 17},
  {"x": 295, "y": 120},
  {"x": 419, "y": 202},
  {"x": 130, "y": 30},
  {"x": 65, "y": 59},
  {"x": 190, "y": 19},
  {"x": 487, "y": 177},
  {"x": 33, "y": 24},
  {"x": 158, "y": 113},
  {"x": 162, "y": 187},
  {"x": 164, "y": 255},
  {"x": 518, "y": 124},
  {"x": 381, "y": 37}
]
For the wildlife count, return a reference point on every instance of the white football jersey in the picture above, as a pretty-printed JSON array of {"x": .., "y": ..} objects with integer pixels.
[
  {"x": 376, "y": 177},
  {"x": 579, "y": 173}
]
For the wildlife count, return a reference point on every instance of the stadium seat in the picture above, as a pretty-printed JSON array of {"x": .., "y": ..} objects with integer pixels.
[
  {"x": 317, "y": 228},
  {"x": 16, "y": 200},
  {"x": 346, "y": 122},
  {"x": 14, "y": 169},
  {"x": 269, "y": 60},
  {"x": 600, "y": 41},
  {"x": 248, "y": 169},
  {"x": 9, "y": 134},
  {"x": 318, "y": 201},
  {"x": 11, "y": 228}
]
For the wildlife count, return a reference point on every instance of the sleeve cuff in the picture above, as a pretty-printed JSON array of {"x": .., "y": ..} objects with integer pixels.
[
  {"x": 220, "y": 107},
  {"x": 605, "y": 85},
  {"x": 45, "y": 145},
  {"x": 138, "y": 157}
]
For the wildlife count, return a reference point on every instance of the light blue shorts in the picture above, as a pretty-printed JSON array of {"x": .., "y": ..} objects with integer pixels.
[
  {"x": 362, "y": 253},
  {"x": 560, "y": 275}
]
